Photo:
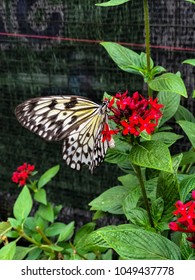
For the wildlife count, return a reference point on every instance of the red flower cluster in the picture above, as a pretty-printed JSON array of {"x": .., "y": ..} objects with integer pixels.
[
  {"x": 22, "y": 174},
  {"x": 185, "y": 222},
  {"x": 134, "y": 114}
]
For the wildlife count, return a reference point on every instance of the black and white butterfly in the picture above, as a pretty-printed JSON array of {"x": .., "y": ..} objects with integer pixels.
[{"x": 75, "y": 120}]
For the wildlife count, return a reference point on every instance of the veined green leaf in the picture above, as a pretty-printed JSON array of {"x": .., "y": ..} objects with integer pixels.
[
  {"x": 152, "y": 154},
  {"x": 186, "y": 186},
  {"x": 184, "y": 114},
  {"x": 169, "y": 82},
  {"x": 189, "y": 129},
  {"x": 171, "y": 102},
  {"x": 168, "y": 138},
  {"x": 111, "y": 200},
  {"x": 126, "y": 59},
  {"x": 82, "y": 234},
  {"x": 168, "y": 189},
  {"x": 133, "y": 243},
  {"x": 188, "y": 157}
]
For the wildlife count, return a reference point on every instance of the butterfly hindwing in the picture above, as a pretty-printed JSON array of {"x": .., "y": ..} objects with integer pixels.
[{"x": 75, "y": 120}]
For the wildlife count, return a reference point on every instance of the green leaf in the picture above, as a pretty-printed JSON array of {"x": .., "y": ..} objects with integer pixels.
[
  {"x": 157, "y": 70},
  {"x": 41, "y": 196},
  {"x": 46, "y": 212},
  {"x": 191, "y": 1},
  {"x": 184, "y": 114},
  {"x": 4, "y": 227},
  {"x": 7, "y": 252},
  {"x": 131, "y": 200},
  {"x": 169, "y": 82},
  {"x": 189, "y": 129},
  {"x": 157, "y": 209},
  {"x": 21, "y": 252},
  {"x": 23, "y": 204},
  {"x": 67, "y": 233},
  {"x": 126, "y": 59},
  {"x": 111, "y": 200},
  {"x": 186, "y": 186},
  {"x": 152, "y": 154},
  {"x": 116, "y": 156},
  {"x": 47, "y": 176},
  {"x": 188, "y": 157},
  {"x": 138, "y": 216},
  {"x": 12, "y": 234},
  {"x": 55, "y": 229},
  {"x": 145, "y": 136},
  {"x": 64, "y": 231},
  {"x": 112, "y": 3},
  {"x": 34, "y": 254},
  {"x": 190, "y": 61},
  {"x": 171, "y": 103},
  {"x": 134, "y": 244},
  {"x": 143, "y": 61},
  {"x": 167, "y": 138},
  {"x": 186, "y": 249},
  {"x": 167, "y": 189},
  {"x": 129, "y": 181},
  {"x": 30, "y": 226},
  {"x": 82, "y": 234},
  {"x": 13, "y": 222}
]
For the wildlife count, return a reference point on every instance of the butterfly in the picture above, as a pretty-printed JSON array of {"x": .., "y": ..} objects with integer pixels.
[{"x": 75, "y": 120}]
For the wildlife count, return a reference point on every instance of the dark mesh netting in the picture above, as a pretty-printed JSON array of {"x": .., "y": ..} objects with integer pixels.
[{"x": 51, "y": 47}]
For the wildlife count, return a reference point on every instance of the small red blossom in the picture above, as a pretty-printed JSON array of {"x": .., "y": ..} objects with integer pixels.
[
  {"x": 22, "y": 173},
  {"x": 107, "y": 133},
  {"x": 134, "y": 114},
  {"x": 185, "y": 218}
]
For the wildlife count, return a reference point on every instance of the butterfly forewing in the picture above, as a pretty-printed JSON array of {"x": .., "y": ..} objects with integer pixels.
[{"x": 75, "y": 120}]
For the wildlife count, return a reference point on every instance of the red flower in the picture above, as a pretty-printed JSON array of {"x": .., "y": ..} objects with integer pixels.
[
  {"x": 133, "y": 114},
  {"x": 107, "y": 133},
  {"x": 147, "y": 125},
  {"x": 185, "y": 222},
  {"x": 22, "y": 174}
]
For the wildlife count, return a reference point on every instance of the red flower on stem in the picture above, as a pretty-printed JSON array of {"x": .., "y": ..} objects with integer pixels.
[
  {"x": 134, "y": 114},
  {"x": 185, "y": 222},
  {"x": 22, "y": 173}
]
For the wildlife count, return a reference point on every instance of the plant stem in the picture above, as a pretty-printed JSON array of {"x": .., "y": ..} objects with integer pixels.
[
  {"x": 47, "y": 241},
  {"x": 144, "y": 195},
  {"x": 147, "y": 41}
]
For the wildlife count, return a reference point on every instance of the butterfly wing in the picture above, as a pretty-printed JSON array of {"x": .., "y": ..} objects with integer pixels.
[
  {"x": 84, "y": 145},
  {"x": 75, "y": 120}
]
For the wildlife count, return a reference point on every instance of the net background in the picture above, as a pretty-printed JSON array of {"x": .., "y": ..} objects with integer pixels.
[{"x": 32, "y": 67}]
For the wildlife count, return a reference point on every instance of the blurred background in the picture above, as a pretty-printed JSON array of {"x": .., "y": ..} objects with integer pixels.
[{"x": 51, "y": 47}]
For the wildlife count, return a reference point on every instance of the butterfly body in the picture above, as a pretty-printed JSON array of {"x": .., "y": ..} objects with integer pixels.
[{"x": 77, "y": 121}]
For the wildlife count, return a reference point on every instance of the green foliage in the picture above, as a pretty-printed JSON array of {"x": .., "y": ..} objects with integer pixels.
[
  {"x": 46, "y": 237},
  {"x": 153, "y": 181},
  {"x": 171, "y": 102},
  {"x": 169, "y": 82},
  {"x": 189, "y": 129},
  {"x": 190, "y": 61},
  {"x": 152, "y": 154},
  {"x": 133, "y": 243}
]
